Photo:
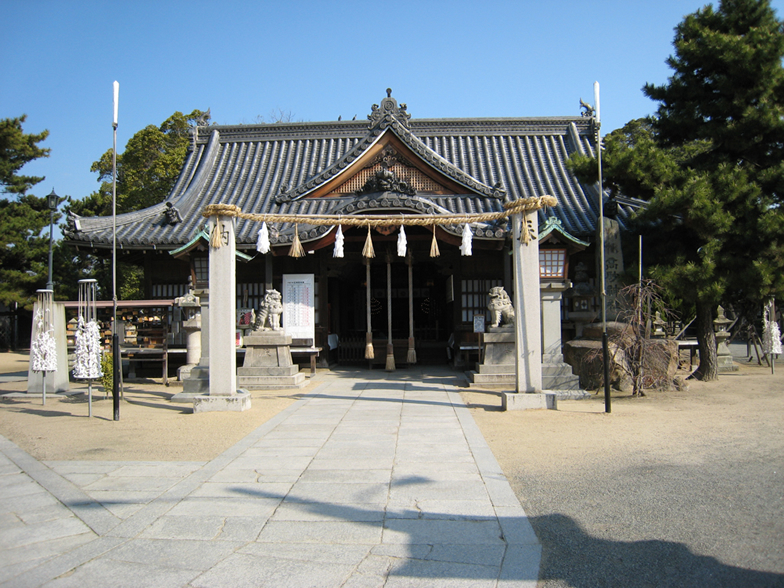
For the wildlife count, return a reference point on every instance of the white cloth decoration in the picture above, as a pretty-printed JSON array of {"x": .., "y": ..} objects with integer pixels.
[
  {"x": 263, "y": 242},
  {"x": 771, "y": 335},
  {"x": 44, "y": 350},
  {"x": 401, "y": 242},
  {"x": 465, "y": 246},
  {"x": 338, "y": 252},
  {"x": 88, "y": 351}
]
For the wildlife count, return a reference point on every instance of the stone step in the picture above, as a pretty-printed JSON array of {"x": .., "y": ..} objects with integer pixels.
[
  {"x": 289, "y": 370},
  {"x": 271, "y": 382},
  {"x": 558, "y": 369},
  {"x": 561, "y": 382}
]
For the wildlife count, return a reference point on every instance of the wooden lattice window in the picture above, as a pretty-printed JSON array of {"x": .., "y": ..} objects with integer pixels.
[
  {"x": 552, "y": 263},
  {"x": 474, "y": 298}
]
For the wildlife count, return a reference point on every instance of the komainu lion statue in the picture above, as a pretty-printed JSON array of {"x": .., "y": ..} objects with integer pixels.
[
  {"x": 501, "y": 309},
  {"x": 268, "y": 317}
]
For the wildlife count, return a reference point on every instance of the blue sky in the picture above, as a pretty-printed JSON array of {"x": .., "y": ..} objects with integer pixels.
[{"x": 318, "y": 60}]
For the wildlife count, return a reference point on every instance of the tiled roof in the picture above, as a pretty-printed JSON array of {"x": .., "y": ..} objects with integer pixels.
[{"x": 273, "y": 168}]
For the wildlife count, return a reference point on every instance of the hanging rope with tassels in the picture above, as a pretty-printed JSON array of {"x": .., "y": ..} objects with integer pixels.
[
  {"x": 401, "y": 242},
  {"x": 465, "y": 246},
  {"x": 338, "y": 251},
  {"x": 434, "y": 252},
  {"x": 367, "y": 250},
  {"x": 296, "y": 247},
  {"x": 263, "y": 241},
  {"x": 520, "y": 206}
]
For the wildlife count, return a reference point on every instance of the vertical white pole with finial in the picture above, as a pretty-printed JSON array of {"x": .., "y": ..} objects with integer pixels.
[{"x": 115, "y": 337}]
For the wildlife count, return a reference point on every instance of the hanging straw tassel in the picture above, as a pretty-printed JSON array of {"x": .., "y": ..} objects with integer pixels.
[
  {"x": 401, "y": 242},
  {"x": 215, "y": 238},
  {"x": 434, "y": 252},
  {"x": 465, "y": 247},
  {"x": 368, "y": 250},
  {"x": 369, "y": 353},
  {"x": 263, "y": 242},
  {"x": 296, "y": 247},
  {"x": 338, "y": 252}
]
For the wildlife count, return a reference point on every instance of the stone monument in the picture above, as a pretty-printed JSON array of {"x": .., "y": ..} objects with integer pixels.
[{"x": 268, "y": 363}]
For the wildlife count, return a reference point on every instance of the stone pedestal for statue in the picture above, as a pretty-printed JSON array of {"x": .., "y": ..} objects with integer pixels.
[
  {"x": 498, "y": 365},
  {"x": 268, "y": 363}
]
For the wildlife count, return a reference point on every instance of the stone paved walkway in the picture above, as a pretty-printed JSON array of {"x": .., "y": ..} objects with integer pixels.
[{"x": 383, "y": 480}]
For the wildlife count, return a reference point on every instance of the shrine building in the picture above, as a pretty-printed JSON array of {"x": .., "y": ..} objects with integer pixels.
[{"x": 386, "y": 164}]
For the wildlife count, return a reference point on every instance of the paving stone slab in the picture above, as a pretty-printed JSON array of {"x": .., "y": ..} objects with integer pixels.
[
  {"x": 247, "y": 571},
  {"x": 297, "y": 511},
  {"x": 118, "y": 574},
  {"x": 328, "y": 532},
  {"x": 307, "y": 553},
  {"x": 434, "y": 532},
  {"x": 176, "y": 554},
  {"x": 338, "y": 493}
]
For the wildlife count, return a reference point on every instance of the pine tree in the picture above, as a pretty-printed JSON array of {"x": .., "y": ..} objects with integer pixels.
[
  {"x": 710, "y": 163},
  {"x": 23, "y": 217}
]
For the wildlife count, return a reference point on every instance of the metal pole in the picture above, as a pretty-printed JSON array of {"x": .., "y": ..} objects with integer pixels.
[
  {"x": 605, "y": 339},
  {"x": 115, "y": 336},
  {"x": 773, "y": 320},
  {"x": 50, "y": 283}
]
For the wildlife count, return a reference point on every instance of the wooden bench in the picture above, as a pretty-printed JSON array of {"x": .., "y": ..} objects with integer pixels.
[
  {"x": 306, "y": 347},
  {"x": 149, "y": 354}
]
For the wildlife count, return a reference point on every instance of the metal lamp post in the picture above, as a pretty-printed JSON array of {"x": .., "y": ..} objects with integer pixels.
[{"x": 51, "y": 202}]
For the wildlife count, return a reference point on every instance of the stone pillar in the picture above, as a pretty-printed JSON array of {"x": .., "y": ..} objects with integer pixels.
[
  {"x": 223, "y": 393},
  {"x": 528, "y": 337},
  {"x": 528, "y": 343},
  {"x": 551, "y": 323}
]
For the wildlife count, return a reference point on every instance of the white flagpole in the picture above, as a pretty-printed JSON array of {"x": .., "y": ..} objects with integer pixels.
[{"x": 115, "y": 336}]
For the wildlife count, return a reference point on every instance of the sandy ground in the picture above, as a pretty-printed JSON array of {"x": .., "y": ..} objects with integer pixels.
[
  {"x": 673, "y": 489},
  {"x": 151, "y": 428}
]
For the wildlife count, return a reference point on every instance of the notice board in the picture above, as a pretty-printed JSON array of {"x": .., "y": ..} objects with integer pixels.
[{"x": 299, "y": 318}]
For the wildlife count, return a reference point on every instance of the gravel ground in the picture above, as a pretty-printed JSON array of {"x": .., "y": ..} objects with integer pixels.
[{"x": 674, "y": 489}]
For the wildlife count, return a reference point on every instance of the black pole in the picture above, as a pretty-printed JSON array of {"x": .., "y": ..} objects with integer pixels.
[
  {"x": 606, "y": 361},
  {"x": 50, "y": 283},
  {"x": 116, "y": 376}
]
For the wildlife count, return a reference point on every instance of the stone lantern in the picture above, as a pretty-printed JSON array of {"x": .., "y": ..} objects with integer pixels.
[
  {"x": 722, "y": 349},
  {"x": 191, "y": 324}
]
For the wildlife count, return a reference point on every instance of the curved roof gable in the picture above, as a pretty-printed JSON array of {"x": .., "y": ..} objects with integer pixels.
[{"x": 458, "y": 165}]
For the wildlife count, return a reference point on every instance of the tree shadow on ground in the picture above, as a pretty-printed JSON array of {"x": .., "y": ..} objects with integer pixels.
[{"x": 572, "y": 557}]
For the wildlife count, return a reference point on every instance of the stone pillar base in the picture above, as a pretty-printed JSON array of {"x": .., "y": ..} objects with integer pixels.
[
  {"x": 222, "y": 403},
  {"x": 528, "y": 401}
]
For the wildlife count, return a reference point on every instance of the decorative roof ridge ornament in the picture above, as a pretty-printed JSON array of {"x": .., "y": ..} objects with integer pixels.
[
  {"x": 385, "y": 180},
  {"x": 389, "y": 112},
  {"x": 498, "y": 191},
  {"x": 171, "y": 215},
  {"x": 588, "y": 110}
]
